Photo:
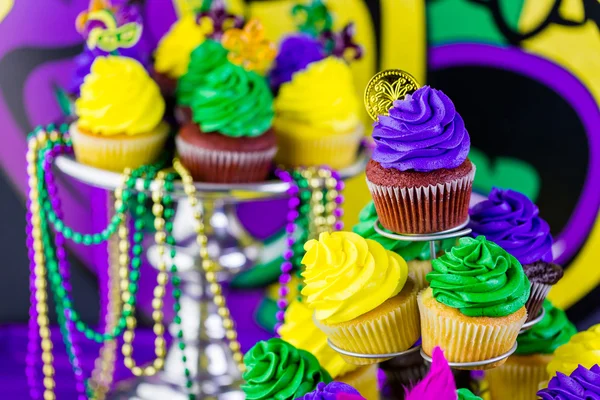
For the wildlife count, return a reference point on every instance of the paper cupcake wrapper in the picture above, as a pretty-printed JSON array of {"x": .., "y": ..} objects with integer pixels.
[
  {"x": 391, "y": 327},
  {"x": 419, "y": 270},
  {"x": 423, "y": 209},
  {"x": 516, "y": 380},
  {"x": 335, "y": 151},
  {"x": 466, "y": 339},
  {"x": 538, "y": 294},
  {"x": 225, "y": 166},
  {"x": 404, "y": 372},
  {"x": 364, "y": 380},
  {"x": 115, "y": 153}
]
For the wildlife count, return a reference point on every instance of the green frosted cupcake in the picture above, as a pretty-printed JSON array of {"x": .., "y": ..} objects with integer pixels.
[
  {"x": 277, "y": 370},
  {"x": 520, "y": 376},
  {"x": 416, "y": 254}
]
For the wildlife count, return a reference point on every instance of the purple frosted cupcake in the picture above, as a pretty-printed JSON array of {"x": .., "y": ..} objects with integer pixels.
[
  {"x": 332, "y": 391},
  {"x": 512, "y": 221},
  {"x": 582, "y": 384},
  {"x": 419, "y": 176}
]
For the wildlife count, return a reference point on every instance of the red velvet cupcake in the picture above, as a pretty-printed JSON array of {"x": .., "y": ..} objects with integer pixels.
[
  {"x": 419, "y": 177},
  {"x": 229, "y": 139}
]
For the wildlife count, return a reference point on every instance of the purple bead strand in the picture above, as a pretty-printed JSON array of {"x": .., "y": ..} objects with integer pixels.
[
  {"x": 290, "y": 228},
  {"x": 338, "y": 212},
  {"x": 33, "y": 337}
]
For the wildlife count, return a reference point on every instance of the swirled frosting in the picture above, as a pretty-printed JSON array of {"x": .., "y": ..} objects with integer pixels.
[
  {"x": 511, "y": 220},
  {"x": 582, "y": 349},
  {"x": 172, "y": 56},
  {"x": 408, "y": 250},
  {"x": 466, "y": 394},
  {"x": 299, "y": 330},
  {"x": 319, "y": 100},
  {"x": 119, "y": 97},
  {"x": 83, "y": 62},
  {"x": 295, "y": 53},
  {"x": 347, "y": 276},
  {"x": 224, "y": 97},
  {"x": 582, "y": 384},
  {"x": 277, "y": 370},
  {"x": 480, "y": 279},
  {"x": 330, "y": 391},
  {"x": 438, "y": 383},
  {"x": 552, "y": 331},
  {"x": 423, "y": 133}
]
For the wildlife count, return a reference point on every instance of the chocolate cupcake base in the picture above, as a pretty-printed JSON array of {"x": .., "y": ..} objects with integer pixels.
[
  {"x": 413, "y": 202},
  {"x": 542, "y": 276},
  {"x": 216, "y": 158}
]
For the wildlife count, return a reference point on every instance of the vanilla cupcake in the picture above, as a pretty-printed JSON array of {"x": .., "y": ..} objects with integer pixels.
[
  {"x": 474, "y": 308},
  {"x": 361, "y": 294},
  {"x": 317, "y": 119},
  {"x": 299, "y": 330},
  {"x": 172, "y": 55},
  {"x": 120, "y": 112}
]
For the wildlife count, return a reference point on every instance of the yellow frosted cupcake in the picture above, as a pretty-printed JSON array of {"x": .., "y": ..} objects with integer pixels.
[
  {"x": 172, "y": 56},
  {"x": 361, "y": 295},
  {"x": 583, "y": 349},
  {"x": 120, "y": 113},
  {"x": 300, "y": 330},
  {"x": 474, "y": 308},
  {"x": 520, "y": 377},
  {"x": 317, "y": 116}
]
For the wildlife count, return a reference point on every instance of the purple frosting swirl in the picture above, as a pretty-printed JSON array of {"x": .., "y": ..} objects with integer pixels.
[
  {"x": 423, "y": 132},
  {"x": 84, "y": 61},
  {"x": 329, "y": 391},
  {"x": 511, "y": 220},
  {"x": 582, "y": 384},
  {"x": 295, "y": 53}
]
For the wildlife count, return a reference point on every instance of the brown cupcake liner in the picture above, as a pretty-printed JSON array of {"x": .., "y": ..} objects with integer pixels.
[
  {"x": 466, "y": 339},
  {"x": 423, "y": 209},
  {"x": 225, "y": 166},
  {"x": 183, "y": 114},
  {"x": 534, "y": 304},
  {"x": 404, "y": 372},
  {"x": 519, "y": 378},
  {"x": 390, "y": 328}
]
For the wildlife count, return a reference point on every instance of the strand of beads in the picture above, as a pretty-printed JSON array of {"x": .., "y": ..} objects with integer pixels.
[
  {"x": 334, "y": 199},
  {"x": 209, "y": 267},
  {"x": 39, "y": 268},
  {"x": 169, "y": 213},
  {"x": 288, "y": 255},
  {"x": 157, "y": 302}
]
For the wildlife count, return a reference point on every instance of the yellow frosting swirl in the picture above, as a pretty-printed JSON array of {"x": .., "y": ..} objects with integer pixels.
[
  {"x": 347, "y": 276},
  {"x": 172, "y": 56},
  {"x": 119, "y": 97},
  {"x": 300, "y": 330},
  {"x": 319, "y": 100},
  {"x": 582, "y": 349}
]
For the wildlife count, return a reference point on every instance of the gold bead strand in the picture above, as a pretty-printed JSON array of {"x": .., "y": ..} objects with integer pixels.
[
  {"x": 157, "y": 301},
  {"x": 331, "y": 193},
  {"x": 40, "y": 272},
  {"x": 209, "y": 266}
]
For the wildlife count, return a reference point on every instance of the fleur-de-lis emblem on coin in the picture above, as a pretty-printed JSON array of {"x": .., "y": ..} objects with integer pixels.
[
  {"x": 386, "y": 87},
  {"x": 249, "y": 47}
]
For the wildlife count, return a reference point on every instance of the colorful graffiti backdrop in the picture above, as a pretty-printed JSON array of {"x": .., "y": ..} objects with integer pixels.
[{"x": 523, "y": 73}]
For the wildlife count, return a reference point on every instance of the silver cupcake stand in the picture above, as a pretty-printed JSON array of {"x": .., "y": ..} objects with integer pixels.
[{"x": 235, "y": 250}]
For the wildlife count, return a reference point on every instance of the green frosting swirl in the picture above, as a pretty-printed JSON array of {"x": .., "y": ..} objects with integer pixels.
[
  {"x": 552, "y": 331},
  {"x": 224, "y": 97},
  {"x": 480, "y": 279},
  {"x": 277, "y": 370},
  {"x": 408, "y": 250},
  {"x": 466, "y": 394}
]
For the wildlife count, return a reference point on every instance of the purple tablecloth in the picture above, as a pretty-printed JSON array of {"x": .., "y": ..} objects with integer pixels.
[{"x": 13, "y": 349}]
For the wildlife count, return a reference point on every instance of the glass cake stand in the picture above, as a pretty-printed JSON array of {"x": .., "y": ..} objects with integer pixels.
[{"x": 235, "y": 250}]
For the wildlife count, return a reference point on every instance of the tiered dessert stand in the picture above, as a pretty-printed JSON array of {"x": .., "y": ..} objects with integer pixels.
[
  {"x": 456, "y": 232},
  {"x": 216, "y": 375}
]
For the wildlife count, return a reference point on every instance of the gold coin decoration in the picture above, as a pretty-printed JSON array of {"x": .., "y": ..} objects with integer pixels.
[{"x": 385, "y": 87}]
